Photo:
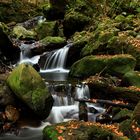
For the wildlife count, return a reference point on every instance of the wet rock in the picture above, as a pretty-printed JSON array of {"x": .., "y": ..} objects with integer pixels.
[
  {"x": 44, "y": 29},
  {"x": 29, "y": 87},
  {"x": 116, "y": 65},
  {"x": 21, "y": 33}
]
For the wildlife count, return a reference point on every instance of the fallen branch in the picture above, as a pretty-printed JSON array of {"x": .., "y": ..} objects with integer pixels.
[{"x": 111, "y": 103}]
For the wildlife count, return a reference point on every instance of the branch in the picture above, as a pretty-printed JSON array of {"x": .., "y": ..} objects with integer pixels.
[{"x": 111, "y": 103}]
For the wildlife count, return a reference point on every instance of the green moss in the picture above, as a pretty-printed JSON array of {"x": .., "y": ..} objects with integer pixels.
[
  {"x": 123, "y": 114},
  {"x": 17, "y": 11},
  {"x": 91, "y": 131},
  {"x": 132, "y": 78},
  {"x": 125, "y": 127},
  {"x": 53, "y": 40},
  {"x": 21, "y": 32},
  {"x": 46, "y": 29},
  {"x": 120, "y": 18},
  {"x": 114, "y": 65},
  {"x": 29, "y": 87},
  {"x": 97, "y": 43}
]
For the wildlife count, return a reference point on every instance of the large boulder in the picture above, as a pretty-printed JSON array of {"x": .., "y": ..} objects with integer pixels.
[
  {"x": 116, "y": 65},
  {"x": 29, "y": 87}
]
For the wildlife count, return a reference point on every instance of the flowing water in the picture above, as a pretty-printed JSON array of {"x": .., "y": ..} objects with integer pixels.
[
  {"x": 64, "y": 108},
  {"x": 54, "y": 67},
  {"x": 25, "y": 55}
]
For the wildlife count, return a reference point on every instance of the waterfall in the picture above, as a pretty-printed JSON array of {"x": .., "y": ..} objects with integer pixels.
[
  {"x": 54, "y": 67},
  {"x": 82, "y": 91},
  {"x": 64, "y": 106},
  {"x": 57, "y": 59},
  {"x": 26, "y": 53}
]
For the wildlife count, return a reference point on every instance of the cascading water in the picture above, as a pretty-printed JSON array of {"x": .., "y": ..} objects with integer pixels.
[
  {"x": 56, "y": 60},
  {"x": 62, "y": 111},
  {"x": 54, "y": 67},
  {"x": 64, "y": 108},
  {"x": 25, "y": 55}
]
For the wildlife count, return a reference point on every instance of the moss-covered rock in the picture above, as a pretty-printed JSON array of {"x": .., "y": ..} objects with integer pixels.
[
  {"x": 100, "y": 36},
  {"x": 29, "y": 87},
  {"x": 122, "y": 115},
  {"x": 125, "y": 44},
  {"x": 47, "y": 29},
  {"x": 21, "y": 33},
  {"x": 54, "y": 42},
  {"x": 132, "y": 78},
  {"x": 73, "y": 130},
  {"x": 114, "y": 65},
  {"x": 17, "y": 11}
]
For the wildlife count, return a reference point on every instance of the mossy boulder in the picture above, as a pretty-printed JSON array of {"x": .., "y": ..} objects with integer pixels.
[
  {"x": 122, "y": 115},
  {"x": 73, "y": 130},
  {"x": 53, "y": 42},
  {"x": 113, "y": 65},
  {"x": 132, "y": 78},
  {"x": 46, "y": 29},
  {"x": 21, "y": 33},
  {"x": 29, "y": 87}
]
